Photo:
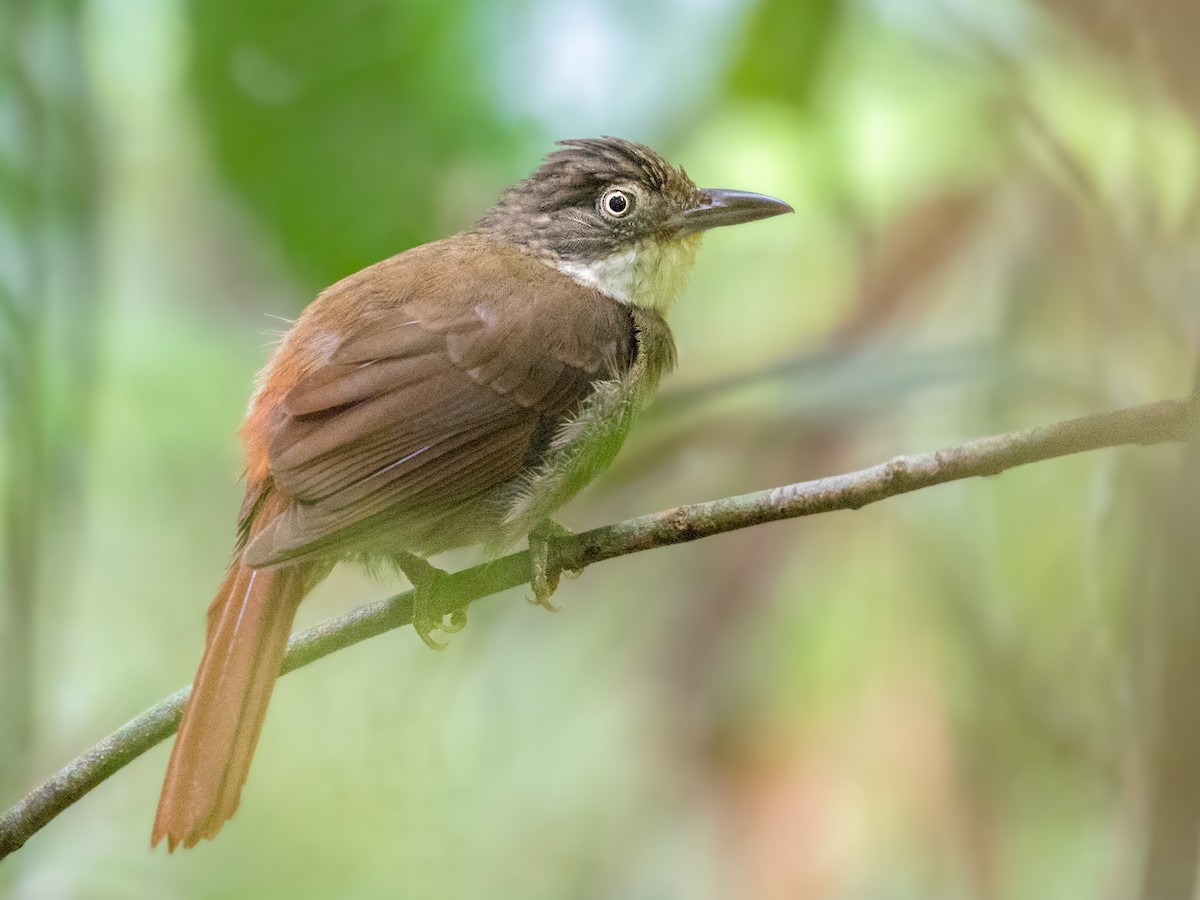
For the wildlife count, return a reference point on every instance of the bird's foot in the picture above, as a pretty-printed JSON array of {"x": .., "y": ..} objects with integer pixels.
[
  {"x": 428, "y": 581},
  {"x": 545, "y": 562}
]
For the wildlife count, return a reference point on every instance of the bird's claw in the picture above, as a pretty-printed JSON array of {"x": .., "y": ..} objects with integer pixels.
[
  {"x": 545, "y": 563},
  {"x": 428, "y": 581}
]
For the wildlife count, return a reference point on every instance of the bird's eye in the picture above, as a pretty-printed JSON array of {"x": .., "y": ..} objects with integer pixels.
[{"x": 617, "y": 203}]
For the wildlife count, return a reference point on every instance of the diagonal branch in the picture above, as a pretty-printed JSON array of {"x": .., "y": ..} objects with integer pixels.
[{"x": 1155, "y": 423}]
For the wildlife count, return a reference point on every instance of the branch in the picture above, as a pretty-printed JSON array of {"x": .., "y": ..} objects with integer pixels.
[{"x": 1155, "y": 423}]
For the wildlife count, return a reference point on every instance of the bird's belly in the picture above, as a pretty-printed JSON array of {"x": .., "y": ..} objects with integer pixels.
[{"x": 583, "y": 447}]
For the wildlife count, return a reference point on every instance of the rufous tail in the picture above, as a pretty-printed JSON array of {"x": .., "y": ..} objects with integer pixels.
[{"x": 248, "y": 626}]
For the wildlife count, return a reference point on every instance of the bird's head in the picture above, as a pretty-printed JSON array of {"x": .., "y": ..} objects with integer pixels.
[{"x": 616, "y": 216}]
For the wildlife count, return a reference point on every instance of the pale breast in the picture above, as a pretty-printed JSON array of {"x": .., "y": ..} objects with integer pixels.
[{"x": 587, "y": 442}]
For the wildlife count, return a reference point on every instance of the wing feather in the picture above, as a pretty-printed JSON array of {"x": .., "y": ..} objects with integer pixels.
[{"x": 442, "y": 394}]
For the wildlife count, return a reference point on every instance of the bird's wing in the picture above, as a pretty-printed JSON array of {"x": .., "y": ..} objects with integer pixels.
[{"x": 471, "y": 358}]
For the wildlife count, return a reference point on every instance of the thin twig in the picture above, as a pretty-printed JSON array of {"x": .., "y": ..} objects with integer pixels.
[{"x": 1155, "y": 423}]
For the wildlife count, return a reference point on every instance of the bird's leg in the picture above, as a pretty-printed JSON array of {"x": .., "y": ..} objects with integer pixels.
[
  {"x": 545, "y": 562},
  {"x": 427, "y": 580}
]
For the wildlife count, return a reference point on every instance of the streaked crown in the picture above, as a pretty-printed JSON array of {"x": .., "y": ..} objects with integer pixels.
[{"x": 592, "y": 198}]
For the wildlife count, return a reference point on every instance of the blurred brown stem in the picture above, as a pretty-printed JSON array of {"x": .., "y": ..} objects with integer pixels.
[
  {"x": 1156, "y": 423},
  {"x": 1171, "y": 722}
]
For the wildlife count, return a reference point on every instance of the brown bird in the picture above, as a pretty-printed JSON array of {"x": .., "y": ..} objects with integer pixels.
[{"x": 455, "y": 394}]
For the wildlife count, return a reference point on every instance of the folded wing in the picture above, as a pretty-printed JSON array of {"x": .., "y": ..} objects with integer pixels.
[{"x": 469, "y": 363}]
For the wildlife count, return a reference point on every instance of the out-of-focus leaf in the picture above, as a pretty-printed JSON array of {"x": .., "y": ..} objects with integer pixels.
[
  {"x": 784, "y": 48},
  {"x": 328, "y": 118}
]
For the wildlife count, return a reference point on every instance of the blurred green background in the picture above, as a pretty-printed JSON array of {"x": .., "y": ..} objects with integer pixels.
[{"x": 985, "y": 690}]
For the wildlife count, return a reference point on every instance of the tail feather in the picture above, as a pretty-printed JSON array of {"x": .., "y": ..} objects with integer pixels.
[{"x": 248, "y": 626}]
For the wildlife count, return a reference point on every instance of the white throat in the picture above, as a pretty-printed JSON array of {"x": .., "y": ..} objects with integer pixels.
[{"x": 650, "y": 274}]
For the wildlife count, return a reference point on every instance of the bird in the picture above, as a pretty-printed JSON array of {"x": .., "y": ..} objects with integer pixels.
[{"x": 455, "y": 394}]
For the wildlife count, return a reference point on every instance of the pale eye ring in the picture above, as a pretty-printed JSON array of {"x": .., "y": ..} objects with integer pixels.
[{"x": 617, "y": 203}]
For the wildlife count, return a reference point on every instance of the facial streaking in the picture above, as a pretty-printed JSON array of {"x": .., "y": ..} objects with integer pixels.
[{"x": 614, "y": 215}]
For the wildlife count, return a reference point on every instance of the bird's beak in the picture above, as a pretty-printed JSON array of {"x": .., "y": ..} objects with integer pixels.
[{"x": 720, "y": 207}]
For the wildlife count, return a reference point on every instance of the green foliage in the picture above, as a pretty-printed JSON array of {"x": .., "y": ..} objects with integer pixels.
[
  {"x": 783, "y": 49},
  {"x": 327, "y": 118}
]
